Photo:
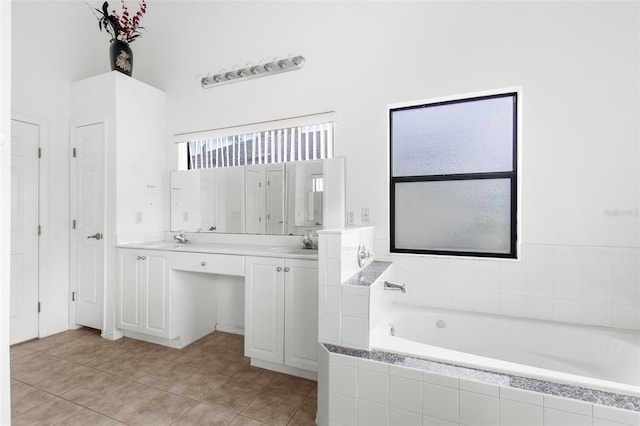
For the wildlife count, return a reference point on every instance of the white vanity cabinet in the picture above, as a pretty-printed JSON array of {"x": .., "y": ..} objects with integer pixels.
[
  {"x": 144, "y": 292},
  {"x": 281, "y": 312}
]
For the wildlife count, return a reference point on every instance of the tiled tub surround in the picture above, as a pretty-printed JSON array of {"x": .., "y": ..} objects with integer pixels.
[
  {"x": 344, "y": 310},
  {"x": 373, "y": 387},
  {"x": 359, "y": 387},
  {"x": 572, "y": 284},
  {"x": 361, "y": 390},
  {"x": 589, "y": 285}
]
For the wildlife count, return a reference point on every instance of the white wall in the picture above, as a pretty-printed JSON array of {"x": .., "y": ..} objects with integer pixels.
[
  {"x": 5, "y": 208},
  {"x": 577, "y": 63},
  {"x": 579, "y": 79}
]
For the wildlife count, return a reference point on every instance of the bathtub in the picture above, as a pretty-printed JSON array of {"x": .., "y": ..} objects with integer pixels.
[{"x": 592, "y": 357}]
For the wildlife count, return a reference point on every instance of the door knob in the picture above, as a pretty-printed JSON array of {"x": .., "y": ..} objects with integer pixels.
[{"x": 98, "y": 236}]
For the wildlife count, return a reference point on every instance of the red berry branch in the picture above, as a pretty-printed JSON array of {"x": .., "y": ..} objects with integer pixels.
[{"x": 124, "y": 26}]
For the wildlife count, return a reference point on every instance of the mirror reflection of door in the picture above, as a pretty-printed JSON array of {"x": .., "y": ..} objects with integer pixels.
[
  {"x": 275, "y": 200},
  {"x": 255, "y": 199},
  {"x": 229, "y": 184},
  {"x": 309, "y": 190}
]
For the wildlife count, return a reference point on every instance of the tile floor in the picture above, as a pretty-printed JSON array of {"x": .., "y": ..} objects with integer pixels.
[{"x": 78, "y": 378}]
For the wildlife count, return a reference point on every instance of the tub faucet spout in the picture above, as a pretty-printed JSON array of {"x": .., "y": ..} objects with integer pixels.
[{"x": 388, "y": 285}]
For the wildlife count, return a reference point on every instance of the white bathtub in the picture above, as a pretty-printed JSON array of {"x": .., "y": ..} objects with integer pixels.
[{"x": 593, "y": 357}]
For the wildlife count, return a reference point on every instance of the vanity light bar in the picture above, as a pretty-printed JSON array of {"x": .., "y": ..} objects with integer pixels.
[{"x": 263, "y": 70}]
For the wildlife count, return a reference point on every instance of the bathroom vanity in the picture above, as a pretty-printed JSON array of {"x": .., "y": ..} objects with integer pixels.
[
  {"x": 166, "y": 294},
  {"x": 173, "y": 294}
]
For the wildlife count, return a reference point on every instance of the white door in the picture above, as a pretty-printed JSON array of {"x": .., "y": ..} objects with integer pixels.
[
  {"x": 301, "y": 314},
  {"x": 87, "y": 198},
  {"x": 25, "y": 139},
  {"x": 264, "y": 309}
]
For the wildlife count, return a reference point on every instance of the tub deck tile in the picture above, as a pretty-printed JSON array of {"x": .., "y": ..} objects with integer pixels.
[
  {"x": 369, "y": 274},
  {"x": 610, "y": 399}
]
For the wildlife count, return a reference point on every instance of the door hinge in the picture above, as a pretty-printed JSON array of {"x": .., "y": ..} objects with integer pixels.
[
  {"x": 73, "y": 224},
  {"x": 38, "y": 307},
  {"x": 73, "y": 296},
  {"x": 39, "y": 152},
  {"x": 39, "y": 230},
  {"x": 75, "y": 153}
]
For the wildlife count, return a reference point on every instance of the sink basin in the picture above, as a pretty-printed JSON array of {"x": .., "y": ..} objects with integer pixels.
[
  {"x": 294, "y": 250},
  {"x": 167, "y": 245}
]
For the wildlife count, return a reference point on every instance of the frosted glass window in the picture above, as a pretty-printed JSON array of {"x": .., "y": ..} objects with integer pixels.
[
  {"x": 460, "y": 137},
  {"x": 459, "y": 215},
  {"x": 454, "y": 177}
]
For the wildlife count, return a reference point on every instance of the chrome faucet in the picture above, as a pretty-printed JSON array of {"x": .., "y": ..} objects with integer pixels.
[
  {"x": 307, "y": 242},
  {"x": 388, "y": 285},
  {"x": 363, "y": 255},
  {"x": 181, "y": 238}
]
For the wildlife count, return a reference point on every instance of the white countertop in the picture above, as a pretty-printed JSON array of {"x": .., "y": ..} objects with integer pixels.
[{"x": 226, "y": 248}]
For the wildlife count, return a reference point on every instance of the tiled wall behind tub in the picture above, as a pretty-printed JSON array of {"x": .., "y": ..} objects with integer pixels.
[{"x": 577, "y": 284}]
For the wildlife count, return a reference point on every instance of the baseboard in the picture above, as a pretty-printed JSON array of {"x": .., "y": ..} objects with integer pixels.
[
  {"x": 172, "y": 343},
  {"x": 280, "y": 368},
  {"x": 112, "y": 335},
  {"x": 230, "y": 329}
]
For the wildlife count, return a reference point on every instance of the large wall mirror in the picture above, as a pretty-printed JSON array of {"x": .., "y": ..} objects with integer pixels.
[{"x": 276, "y": 199}]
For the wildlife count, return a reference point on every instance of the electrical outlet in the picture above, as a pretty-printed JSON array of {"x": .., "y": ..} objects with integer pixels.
[
  {"x": 138, "y": 218},
  {"x": 351, "y": 218},
  {"x": 365, "y": 215}
]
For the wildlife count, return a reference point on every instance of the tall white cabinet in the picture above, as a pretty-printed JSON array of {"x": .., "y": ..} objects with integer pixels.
[{"x": 134, "y": 189}]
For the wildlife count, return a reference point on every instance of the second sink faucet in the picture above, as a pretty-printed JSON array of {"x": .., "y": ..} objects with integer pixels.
[
  {"x": 307, "y": 242},
  {"x": 181, "y": 238}
]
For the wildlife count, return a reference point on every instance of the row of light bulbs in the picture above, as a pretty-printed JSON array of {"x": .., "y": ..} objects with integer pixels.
[{"x": 263, "y": 70}]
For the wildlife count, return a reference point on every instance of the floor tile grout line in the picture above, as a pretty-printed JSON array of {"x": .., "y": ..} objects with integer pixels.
[
  {"x": 68, "y": 400},
  {"x": 82, "y": 407}
]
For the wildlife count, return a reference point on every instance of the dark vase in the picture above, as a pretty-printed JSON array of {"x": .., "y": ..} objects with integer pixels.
[{"x": 121, "y": 57}]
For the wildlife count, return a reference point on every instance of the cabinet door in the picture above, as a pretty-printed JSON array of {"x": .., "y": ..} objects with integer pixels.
[
  {"x": 264, "y": 309},
  {"x": 301, "y": 314},
  {"x": 156, "y": 295},
  {"x": 129, "y": 290}
]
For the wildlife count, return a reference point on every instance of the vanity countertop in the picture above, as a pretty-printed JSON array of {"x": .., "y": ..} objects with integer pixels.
[{"x": 291, "y": 252}]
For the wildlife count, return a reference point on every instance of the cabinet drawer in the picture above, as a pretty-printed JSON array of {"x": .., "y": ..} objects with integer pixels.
[{"x": 224, "y": 264}]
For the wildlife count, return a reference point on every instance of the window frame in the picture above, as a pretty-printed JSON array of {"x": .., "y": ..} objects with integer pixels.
[{"x": 512, "y": 176}]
